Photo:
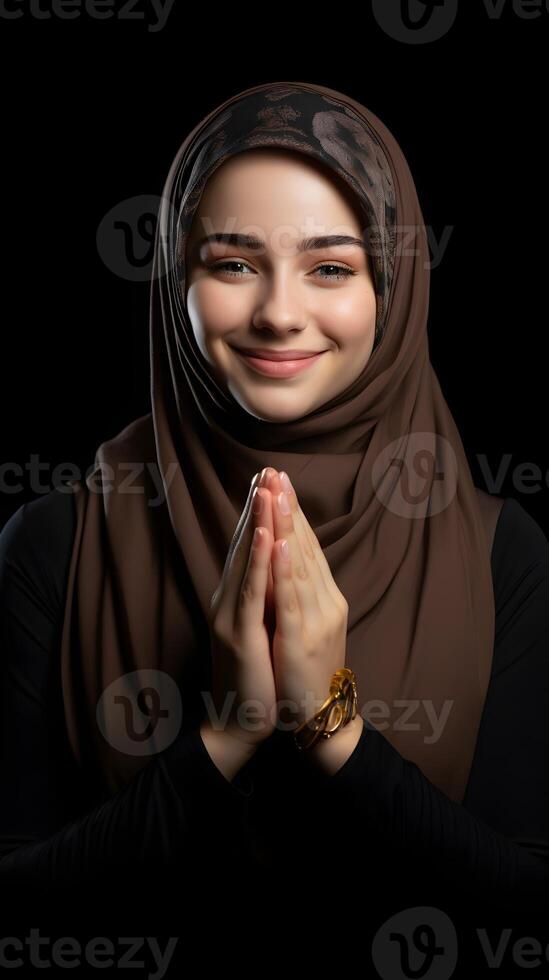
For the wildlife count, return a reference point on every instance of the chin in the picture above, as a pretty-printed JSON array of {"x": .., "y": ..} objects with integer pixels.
[{"x": 267, "y": 412}]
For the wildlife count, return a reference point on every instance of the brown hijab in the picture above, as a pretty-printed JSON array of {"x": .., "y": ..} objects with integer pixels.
[{"x": 380, "y": 472}]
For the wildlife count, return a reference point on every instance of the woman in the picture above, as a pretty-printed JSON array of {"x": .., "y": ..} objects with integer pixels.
[{"x": 285, "y": 224}]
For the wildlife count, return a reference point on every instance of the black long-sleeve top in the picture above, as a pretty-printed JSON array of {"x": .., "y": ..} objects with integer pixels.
[{"x": 282, "y": 832}]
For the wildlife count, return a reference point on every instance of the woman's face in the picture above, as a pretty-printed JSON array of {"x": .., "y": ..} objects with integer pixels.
[{"x": 277, "y": 296}]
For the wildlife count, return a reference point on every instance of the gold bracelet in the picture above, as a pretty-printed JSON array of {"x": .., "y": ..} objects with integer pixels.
[{"x": 341, "y": 703}]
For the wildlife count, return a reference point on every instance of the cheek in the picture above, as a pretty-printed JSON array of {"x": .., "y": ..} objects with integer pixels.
[
  {"x": 212, "y": 309},
  {"x": 350, "y": 317}
]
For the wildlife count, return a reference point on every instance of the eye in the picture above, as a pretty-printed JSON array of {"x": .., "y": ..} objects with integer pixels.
[
  {"x": 223, "y": 266},
  {"x": 342, "y": 271}
]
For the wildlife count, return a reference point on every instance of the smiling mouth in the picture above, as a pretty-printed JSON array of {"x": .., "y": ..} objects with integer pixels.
[{"x": 278, "y": 369}]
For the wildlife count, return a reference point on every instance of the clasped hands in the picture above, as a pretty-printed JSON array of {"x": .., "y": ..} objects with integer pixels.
[{"x": 305, "y": 612}]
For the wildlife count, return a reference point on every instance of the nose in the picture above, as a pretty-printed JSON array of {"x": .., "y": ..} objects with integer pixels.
[{"x": 280, "y": 308}]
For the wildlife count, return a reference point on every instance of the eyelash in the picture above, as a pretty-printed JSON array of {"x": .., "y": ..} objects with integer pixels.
[{"x": 344, "y": 269}]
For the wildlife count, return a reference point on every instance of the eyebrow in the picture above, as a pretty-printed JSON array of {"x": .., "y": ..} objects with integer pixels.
[{"x": 253, "y": 243}]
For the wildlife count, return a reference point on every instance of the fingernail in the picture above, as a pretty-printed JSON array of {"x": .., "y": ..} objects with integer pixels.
[
  {"x": 284, "y": 503},
  {"x": 284, "y": 548},
  {"x": 257, "y": 501},
  {"x": 285, "y": 480}
]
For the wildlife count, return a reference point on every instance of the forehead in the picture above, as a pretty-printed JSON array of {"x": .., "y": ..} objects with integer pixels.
[{"x": 273, "y": 187}]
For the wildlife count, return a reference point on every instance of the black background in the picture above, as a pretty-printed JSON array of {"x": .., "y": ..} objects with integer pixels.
[{"x": 94, "y": 112}]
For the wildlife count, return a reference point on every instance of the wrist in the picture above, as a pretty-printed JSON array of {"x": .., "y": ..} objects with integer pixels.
[
  {"x": 229, "y": 753},
  {"x": 330, "y": 754}
]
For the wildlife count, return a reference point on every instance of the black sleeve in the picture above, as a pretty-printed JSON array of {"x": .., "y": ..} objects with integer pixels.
[
  {"x": 178, "y": 799},
  {"x": 494, "y": 847}
]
